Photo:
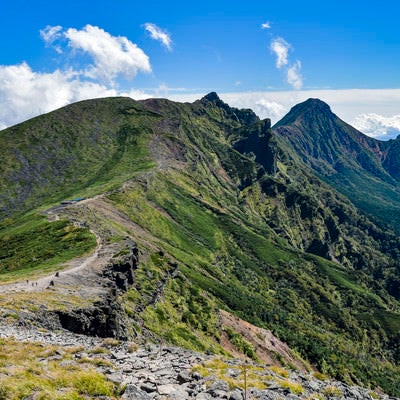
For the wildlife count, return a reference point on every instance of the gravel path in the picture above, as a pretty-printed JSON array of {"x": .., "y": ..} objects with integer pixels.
[{"x": 91, "y": 262}]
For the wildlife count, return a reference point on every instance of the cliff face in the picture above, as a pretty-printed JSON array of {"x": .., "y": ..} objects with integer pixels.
[
  {"x": 86, "y": 300},
  {"x": 105, "y": 318}
]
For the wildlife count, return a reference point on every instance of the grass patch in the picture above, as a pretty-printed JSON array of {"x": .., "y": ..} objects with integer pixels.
[
  {"x": 294, "y": 387},
  {"x": 33, "y": 301},
  {"x": 48, "y": 372},
  {"x": 256, "y": 377},
  {"x": 331, "y": 392},
  {"x": 32, "y": 243},
  {"x": 280, "y": 371}
]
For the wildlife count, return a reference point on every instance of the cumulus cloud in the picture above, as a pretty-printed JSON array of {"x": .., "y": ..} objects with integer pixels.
[
  {"x": 112, "y": 55},
  {"x": 378, "y": 126},
  {"x": 266, "y": 25},
  {"x": 270, "y": 109},
  {"x": 294, "y": 77},
  {"x": 280, "y": 47},
  {"x": 25, "y": 93},
  {"x": 157, "y": 33}
]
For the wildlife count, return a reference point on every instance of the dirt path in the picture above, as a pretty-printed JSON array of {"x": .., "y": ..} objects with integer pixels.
[
  {"x": 81, "y": 275},
  {"x": 73, "y": 267}
]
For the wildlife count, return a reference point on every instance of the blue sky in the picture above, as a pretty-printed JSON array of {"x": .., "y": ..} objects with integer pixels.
[{"x": 260, "y": 54}]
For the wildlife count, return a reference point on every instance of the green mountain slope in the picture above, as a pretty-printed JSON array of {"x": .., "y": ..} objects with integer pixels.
[
  {"x": 98, "y": 144},
  {"x": 362, "y": 168},
  {"x": 391, "y": 158},
  {"x": 225, "y": 216}
]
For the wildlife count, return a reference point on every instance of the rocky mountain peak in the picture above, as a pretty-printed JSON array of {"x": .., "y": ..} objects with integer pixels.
[
  {"x": 244, "y": 116},
  {"x": 307, "y": 110},
  {"x": 213, "y": 99},
  {"x": 212, "y": 96}
]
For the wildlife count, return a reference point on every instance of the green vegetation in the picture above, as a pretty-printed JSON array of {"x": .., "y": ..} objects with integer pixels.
[
  {"x": 80, "y": 150},
  {"x": 34, "y": 301},
  {"x": 227, "y": 216},
  {"x": 280, "y": 371},
  {"x": 294, "y": 387},
  {"x": 254, "y": 376},
  {"x": 332, "y": 392},
  {"x": 31, "y": 244},
  {"x": 314, "y": 305},
  {"x": 185, "y": 316},
  {"x": 31, "y": 370},
  {"x": 241, "y": 344}
]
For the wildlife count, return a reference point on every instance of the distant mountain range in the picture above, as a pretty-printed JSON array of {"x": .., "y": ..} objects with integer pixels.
[{"x": 292, "y": 228}]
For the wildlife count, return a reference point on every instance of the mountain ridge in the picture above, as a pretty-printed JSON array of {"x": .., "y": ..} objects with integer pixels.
[
  {"x": 225, "y": 215},
  {"x": 362, "y": 168}
]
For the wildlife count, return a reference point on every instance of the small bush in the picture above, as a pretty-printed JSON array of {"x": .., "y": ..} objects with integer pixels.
[
  {"x": 280, "y": 371},
  {"x": 294, "y": 387},
  {"x": 110, "y": 342},
  {"x": 320, "y": 376},
  {"x": 332, "y": 391},
  {"x": 93, "y": 384},
  {"x": 241, "y": 344},
  {"x": 99, "y": 350},
  {"x": 4, "y": 392},
  {"x": 132, "y": 347}
]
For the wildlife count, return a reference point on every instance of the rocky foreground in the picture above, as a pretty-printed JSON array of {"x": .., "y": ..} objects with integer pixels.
[{"x": 160, "y": 372}]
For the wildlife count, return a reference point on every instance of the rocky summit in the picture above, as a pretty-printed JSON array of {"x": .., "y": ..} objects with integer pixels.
[{"x": 154, "y": 249}]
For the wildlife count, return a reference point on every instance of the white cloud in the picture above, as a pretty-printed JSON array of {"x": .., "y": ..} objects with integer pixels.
[
  {"x": 51, "y": 33},
  {"x": 266, "y": 25},
  {"x": 112, "y": 55},
  {"x": 157, "y": 33},
  {"x": 25, "y": 93},
  {"x": 294, "y": 77},
  {"x": 272, "y": 109},
  {"x": 378, "y": 126},
  {"x": 280, "y": 47}
]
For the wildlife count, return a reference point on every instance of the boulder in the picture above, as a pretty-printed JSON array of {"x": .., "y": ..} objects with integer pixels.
[{"x": 134, "y": 393}]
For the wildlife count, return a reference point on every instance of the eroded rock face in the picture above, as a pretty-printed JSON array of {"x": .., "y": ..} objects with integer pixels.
[
  {"x": 103, "y": 318},
  {"x": 121, "y": 270}
]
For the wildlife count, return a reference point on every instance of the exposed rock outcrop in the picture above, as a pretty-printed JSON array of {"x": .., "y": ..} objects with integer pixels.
[{"x": 104, "y": 317}]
